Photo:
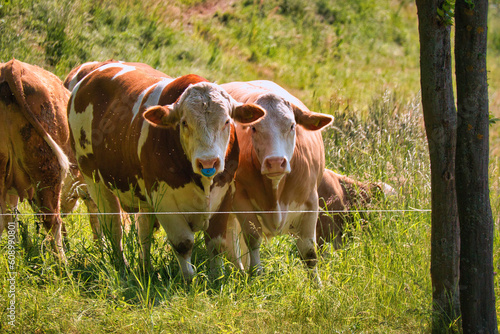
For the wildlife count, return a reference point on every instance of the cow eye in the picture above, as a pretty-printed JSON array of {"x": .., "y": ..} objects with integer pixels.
[
  {"x": 227, "y": 123},
  {"x": 184, "y": 123},
  {"x": 254, "y": 129},
  {"x": 292, "y": 127}
]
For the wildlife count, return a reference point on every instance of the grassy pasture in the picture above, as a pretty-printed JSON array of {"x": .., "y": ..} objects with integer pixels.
[{"x": 356, "y": 60}]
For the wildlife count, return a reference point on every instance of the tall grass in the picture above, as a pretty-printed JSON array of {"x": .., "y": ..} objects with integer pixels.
[
  {"x": 330, "y": 54},
  {"x": 378, "y": 282}
]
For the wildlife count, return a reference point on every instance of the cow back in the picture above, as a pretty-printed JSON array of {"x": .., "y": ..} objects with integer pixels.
[{"x": 81, "y": 71}]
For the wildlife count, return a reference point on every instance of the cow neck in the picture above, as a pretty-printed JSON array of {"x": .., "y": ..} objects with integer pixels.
[
  {"x": 207, "y": 184},
  {"x": 273, "y": 191},
  {"x": 276, "y": 188}
]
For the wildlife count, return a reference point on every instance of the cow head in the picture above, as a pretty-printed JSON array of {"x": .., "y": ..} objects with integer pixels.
[
  {"x": 273, "y": 137},
  {"x": 205, "y": 112}
]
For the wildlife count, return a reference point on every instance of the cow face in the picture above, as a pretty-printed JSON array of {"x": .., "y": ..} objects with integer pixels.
[
  {"x": 274, "y": 136},
  {"x": 205, "y": 113}
]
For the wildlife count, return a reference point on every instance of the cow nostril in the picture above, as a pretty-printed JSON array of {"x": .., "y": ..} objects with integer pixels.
[
  {"x": 276, "y": 163},
  {"x": 268, "y": 164},
  {"x": 208, "y": 167},
  {"x": 283, "y": 164}
]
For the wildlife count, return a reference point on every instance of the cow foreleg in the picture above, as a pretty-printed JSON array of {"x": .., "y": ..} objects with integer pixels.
[
  {"x": 94, "y": 221},
  {"x": 145, "y": 225},
  {"x": 251, "y": 230},
  {"x": 4, "y": 217},
  {"x": 47, "y": 201},
  {"x": 306, "y": 237},
  {"x": 4, "y": 214},
  {"x": 109, "y": 218},
  {"x": 52, "y": 223},
  {"x": 181, "y": 238},
  {"x": 215, "y": 237},
  {"x": 236, "y": 249}
]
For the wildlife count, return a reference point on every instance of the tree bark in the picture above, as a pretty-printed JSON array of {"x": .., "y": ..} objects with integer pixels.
[
  {"x": 477, "y": 296},
  {"x": 440, "y": 124}
]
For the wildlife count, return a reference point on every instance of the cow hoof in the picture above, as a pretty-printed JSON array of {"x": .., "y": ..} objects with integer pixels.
[
  {"x": 257, "y": 271},
  {"x": 314, "y": 276}
]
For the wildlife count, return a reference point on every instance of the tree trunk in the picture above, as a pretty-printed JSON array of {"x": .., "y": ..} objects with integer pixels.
[
  {"x": 477, "y": 296},
  {"x": 440, "y": 124}
]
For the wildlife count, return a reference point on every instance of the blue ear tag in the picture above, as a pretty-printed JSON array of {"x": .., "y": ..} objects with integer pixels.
[{"x": 208, "y": 172}]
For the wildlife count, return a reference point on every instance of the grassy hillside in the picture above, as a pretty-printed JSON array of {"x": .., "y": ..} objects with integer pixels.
[
  {"x": 357, "y": 60},
  {"x": 327, "y": 51}
]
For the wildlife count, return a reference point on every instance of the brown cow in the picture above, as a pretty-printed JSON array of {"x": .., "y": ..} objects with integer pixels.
[
  {"x": 74, "y": 187},
  {"x": 158, "y": 144},
  {"x": 33, "y": 138},
  {"x": 281, "y": 165},
  {"x": 339, "y": 194}
]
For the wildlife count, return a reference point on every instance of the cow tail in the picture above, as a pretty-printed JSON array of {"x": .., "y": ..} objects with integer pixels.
[{"x": 15, "y": 82}]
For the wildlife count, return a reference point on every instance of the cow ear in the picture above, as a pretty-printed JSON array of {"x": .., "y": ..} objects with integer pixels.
[
  {"x": 311, "y": 120},
  {"x": 161, "y": 116},
  {"x": 248, "y": 113}
]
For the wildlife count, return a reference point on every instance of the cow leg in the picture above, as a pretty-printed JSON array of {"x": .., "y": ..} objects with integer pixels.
[
  {"x": 4, "y": 213},
  {"x": 20, "y": 226},
  {"x": 252, "y": 234},
  {"x": 251, "y": 229},
  {"x": 306, "y": 237},
  {"x": 12, "y": 208},
  {"x": 181, "y": 238},
  {"x": 93, "y": 211},
  {"x": 215, "y": 237},
  {"x": 109, "y": 218},
  {"x": 4, "y": 218},
  {"x": 47, "y": 199},
  {"x": 237, "y": 252},
  {"x": 145, "y": 226}
]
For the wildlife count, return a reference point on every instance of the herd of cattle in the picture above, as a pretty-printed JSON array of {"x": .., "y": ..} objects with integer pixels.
[{"x": 183, "y": 152}]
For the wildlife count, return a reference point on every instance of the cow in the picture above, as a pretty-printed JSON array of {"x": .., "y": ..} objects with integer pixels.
[
  {"x": 156, "y": 144},
  {"x": 338, "y": 195},
  {"x": 281, "y": 165},
  {"x": 74, "y": 187},
  {"x": 34, "y": 138}
]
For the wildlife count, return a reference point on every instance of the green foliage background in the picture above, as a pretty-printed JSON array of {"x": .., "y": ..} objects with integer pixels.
[{"x": 357, "y": 60}]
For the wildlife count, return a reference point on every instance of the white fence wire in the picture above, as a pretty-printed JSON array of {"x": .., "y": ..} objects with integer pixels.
[{"x": 222, "y": 212}]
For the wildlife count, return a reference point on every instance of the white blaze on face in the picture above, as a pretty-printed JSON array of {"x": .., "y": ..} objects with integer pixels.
[
  {"x": 204, "y": 111},
  {"x": 273, "y": 136}
]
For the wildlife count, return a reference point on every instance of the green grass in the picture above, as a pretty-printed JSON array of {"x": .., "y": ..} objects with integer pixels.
[
  {"x": 371, "y": 285},
  {"x": 356, "y": 60},
  {"x": 378, "y": 282}
]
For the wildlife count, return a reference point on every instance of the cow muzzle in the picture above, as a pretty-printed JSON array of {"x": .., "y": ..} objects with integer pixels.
[
  {"x": 208, "y": 167},
  {"x": 275, "y": 167}
]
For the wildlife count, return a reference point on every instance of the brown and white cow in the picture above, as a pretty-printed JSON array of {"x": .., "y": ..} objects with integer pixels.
[
  {"x": 158, "y": 145},
  {"x": 281, "y": 165},
  {"x": 34, "y": 137},
  {"x": 339, "y": 195},
  {"x": 74, "y": 187}
]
